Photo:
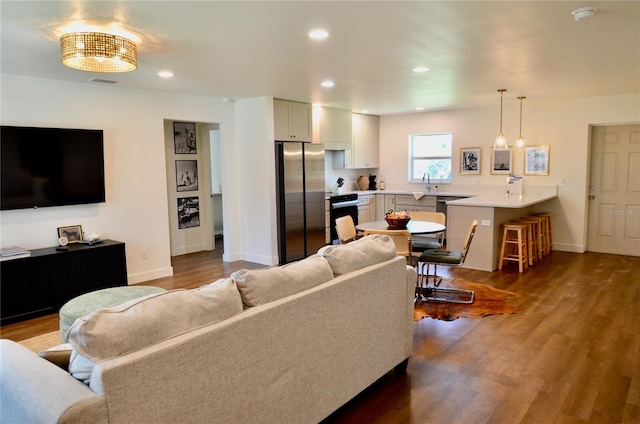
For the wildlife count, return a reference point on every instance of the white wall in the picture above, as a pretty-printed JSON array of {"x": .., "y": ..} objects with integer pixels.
[
  {"x": 135, "y": 211},
  {"x": 564, "y": 125}
]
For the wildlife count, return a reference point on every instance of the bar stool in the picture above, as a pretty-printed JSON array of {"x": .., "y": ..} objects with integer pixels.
[
  {"x": 532, "y": 236},
  {"x": 547, "y": 236},
  {"x": 514, "y": 245},
  {"x": 540, "y": 240}
]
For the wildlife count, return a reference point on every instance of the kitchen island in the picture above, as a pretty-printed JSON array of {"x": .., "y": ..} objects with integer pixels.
[{"x": 491, "y": 210}]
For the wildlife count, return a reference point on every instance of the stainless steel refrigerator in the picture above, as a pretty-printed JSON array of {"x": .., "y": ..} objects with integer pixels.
[{"x": 300, "y": 199}]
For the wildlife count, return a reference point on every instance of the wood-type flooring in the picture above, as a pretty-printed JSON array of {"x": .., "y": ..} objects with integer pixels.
[{"x": 571, "y": 355}]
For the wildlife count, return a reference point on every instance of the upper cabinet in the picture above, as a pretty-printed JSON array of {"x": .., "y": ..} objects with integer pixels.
[
  {"x": 292, "y": 120},
  {"x": 366, "y": 142},
  {"x": 332, "y": 127}
]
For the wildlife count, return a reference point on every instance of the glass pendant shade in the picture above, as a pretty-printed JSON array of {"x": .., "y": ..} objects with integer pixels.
[
  {"x": 98, "y": 52},
  {"x": 520, "y": 143},
  {"x": 501, "y": 141}
]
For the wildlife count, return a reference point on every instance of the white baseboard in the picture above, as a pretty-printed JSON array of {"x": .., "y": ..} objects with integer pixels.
[{"x": 150, "y": 275}]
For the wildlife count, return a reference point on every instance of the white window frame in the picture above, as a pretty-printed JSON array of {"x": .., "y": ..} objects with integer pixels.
[{"x": 412, "y": 158}]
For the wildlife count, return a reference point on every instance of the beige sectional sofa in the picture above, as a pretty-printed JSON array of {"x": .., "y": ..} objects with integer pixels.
[{"x": 286, "y": 344}]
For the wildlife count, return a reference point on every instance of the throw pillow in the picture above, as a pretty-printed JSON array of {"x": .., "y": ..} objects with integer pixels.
[
  {"x": 111, "y": 332},
  {"x": 58, "y": 355},
  {"x": 364, "y": 252},
  {"x": 261, "y": 286}
]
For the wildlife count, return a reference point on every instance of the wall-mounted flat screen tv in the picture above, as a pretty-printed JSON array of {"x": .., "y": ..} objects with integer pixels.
[{"x": 50, "y": 167}]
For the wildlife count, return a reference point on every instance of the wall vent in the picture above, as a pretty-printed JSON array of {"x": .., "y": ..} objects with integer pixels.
[{"x": 103, "y": 81}]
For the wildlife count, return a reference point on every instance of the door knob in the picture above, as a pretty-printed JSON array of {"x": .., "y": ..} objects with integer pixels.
[{"x": 591, "y": 197}]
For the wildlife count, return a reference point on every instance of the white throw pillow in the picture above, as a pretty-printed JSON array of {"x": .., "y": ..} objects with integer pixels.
[
  {"x": 364, "y": 252},
  {"x": 111, "y": 332},
  {"x": 260, "y": 286}
]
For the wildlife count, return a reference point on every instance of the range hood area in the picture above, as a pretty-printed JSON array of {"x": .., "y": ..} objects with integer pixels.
[{"x": 332, "y": 127}]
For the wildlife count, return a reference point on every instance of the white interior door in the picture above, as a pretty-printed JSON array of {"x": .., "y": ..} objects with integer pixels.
[{"x": 614, "y": 192}]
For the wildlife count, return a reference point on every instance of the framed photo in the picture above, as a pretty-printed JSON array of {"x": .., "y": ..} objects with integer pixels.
[
  {"x": 72, "y": 233},
  {"x": 470, "y": 160},
  {"x": 536, "y": 160},
  {"x": 186, "y": 175},
  {"x": 501, "y": 161},
  {"x": 184, "y": 138},
  {"x": 188, "y": 212}
]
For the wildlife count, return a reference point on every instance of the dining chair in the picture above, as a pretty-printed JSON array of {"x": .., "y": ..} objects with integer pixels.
[
  {"x": 346, "y": 229},
  {"x": 402, "y": 239},
  {"x": 446, "y": 257},
  {"x": 433, "y": 241}
]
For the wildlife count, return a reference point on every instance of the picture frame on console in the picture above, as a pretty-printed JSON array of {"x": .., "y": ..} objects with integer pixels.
[
  {"x": 184, "y": 138},
  {"x": 72, "y": 233},
  {"x": 470, "y": 160},
  {"x": 501, "y": 161}
]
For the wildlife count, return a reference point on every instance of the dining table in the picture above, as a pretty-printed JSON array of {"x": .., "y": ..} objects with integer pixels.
[{"x": 413, "y": 226}]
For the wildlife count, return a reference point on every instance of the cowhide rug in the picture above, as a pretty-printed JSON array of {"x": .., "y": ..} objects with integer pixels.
[{"x": 488, "y": 301}]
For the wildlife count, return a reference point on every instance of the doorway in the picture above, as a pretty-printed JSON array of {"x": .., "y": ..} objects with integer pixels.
[
  {"x": 614, "y": 190},
  {"x": 194, "y": 217}
]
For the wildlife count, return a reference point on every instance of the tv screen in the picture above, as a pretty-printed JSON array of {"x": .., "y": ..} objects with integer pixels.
[{"x": 50, "y": 167}]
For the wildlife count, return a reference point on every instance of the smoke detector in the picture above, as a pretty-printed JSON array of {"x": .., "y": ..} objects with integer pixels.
[{"x": 584, "y": 13}]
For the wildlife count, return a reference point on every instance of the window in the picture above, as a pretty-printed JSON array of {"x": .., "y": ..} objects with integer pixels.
[{"x": 430, "y": 157}]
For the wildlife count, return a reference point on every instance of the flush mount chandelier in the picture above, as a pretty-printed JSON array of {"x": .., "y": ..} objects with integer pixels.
[{"x": 98, "y": 52}]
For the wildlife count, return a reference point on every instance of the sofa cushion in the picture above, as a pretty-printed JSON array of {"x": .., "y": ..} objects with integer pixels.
[
  {"x": 369, "y": 250},
  {"x": 260, "y": 286},
  {"x": 110, "y": 332}
]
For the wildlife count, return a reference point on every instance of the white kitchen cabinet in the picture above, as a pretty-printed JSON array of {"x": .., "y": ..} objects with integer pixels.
[
  {"x": 292, "y": 120},
  {"x": 384, "y": 203},
  {"x": 366, "y": 209},
  {"x": 407, "y": 202},
  {"x": 332, "y": 127},
  {"x": 366, "y": 142}
]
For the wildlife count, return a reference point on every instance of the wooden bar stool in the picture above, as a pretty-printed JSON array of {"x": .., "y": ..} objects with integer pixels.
[
  {"x": 532, "y": 236},
  {"x": 547, "y": 236},
  {"x": 540, "y": 239},
  {"x": 514, "y": 245}
]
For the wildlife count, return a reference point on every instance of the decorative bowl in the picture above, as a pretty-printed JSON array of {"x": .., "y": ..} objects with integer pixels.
[{"x": 397, "y": 223}]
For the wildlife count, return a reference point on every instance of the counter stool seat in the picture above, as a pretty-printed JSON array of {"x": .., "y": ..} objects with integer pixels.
[{"x": 92, "y": 301}]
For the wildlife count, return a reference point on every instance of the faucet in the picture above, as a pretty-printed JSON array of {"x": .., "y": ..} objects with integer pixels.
[{"x": 428, "y": 185}]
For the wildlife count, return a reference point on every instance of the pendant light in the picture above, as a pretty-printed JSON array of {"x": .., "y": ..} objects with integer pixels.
[
  {"x": 520, "y": 140},
  {"x": 501, "y": 141}
]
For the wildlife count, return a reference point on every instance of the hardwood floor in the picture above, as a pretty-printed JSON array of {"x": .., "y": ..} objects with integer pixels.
[{"x": 571, "y": 355}]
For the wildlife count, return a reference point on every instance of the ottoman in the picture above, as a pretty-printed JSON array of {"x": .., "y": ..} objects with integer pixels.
[{"x": 92, "y": 301}]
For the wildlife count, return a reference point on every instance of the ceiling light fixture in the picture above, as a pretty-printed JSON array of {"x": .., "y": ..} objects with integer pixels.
[
  {"x": 318, "y": 34},
  {"x": 584, "y": 13},
  {"x": 501, "y": 141},
  {"x": 327, "y": 84},
  {"x": 520, "y": 140},
  {"x": 98, "y": 52},
  {"x": 165, "y": 74},
  {"x": 419, "y": 69}
]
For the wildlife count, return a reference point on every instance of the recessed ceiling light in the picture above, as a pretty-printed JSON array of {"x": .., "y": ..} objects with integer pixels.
[
  {"x": 327, "y": 83},
  {"x": 318, "y": 34},
  {"x": 421, "y": 69},
  {"x": 584, "y": 13},
  {"x": 419, "y": 108},
  {"x": 165, "y": 74}
]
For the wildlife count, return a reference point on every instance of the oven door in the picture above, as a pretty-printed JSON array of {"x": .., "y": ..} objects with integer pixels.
[{"x": 340, "y": 209}]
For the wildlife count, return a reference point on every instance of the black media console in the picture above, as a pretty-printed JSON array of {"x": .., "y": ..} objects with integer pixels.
[{"x": 40, "y": 284}]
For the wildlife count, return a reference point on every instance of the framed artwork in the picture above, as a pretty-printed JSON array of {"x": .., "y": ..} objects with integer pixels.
[
  {"x": 536, "y": 160},
  {"x": 501, "y": 161},
  {"x": 188, "y": 212},
  {"x": 72, "y": 233},
  {"x": 470, "y": 158},
  {"x": 186, "y": 175},
  {"x": 184, "y": 138}
]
